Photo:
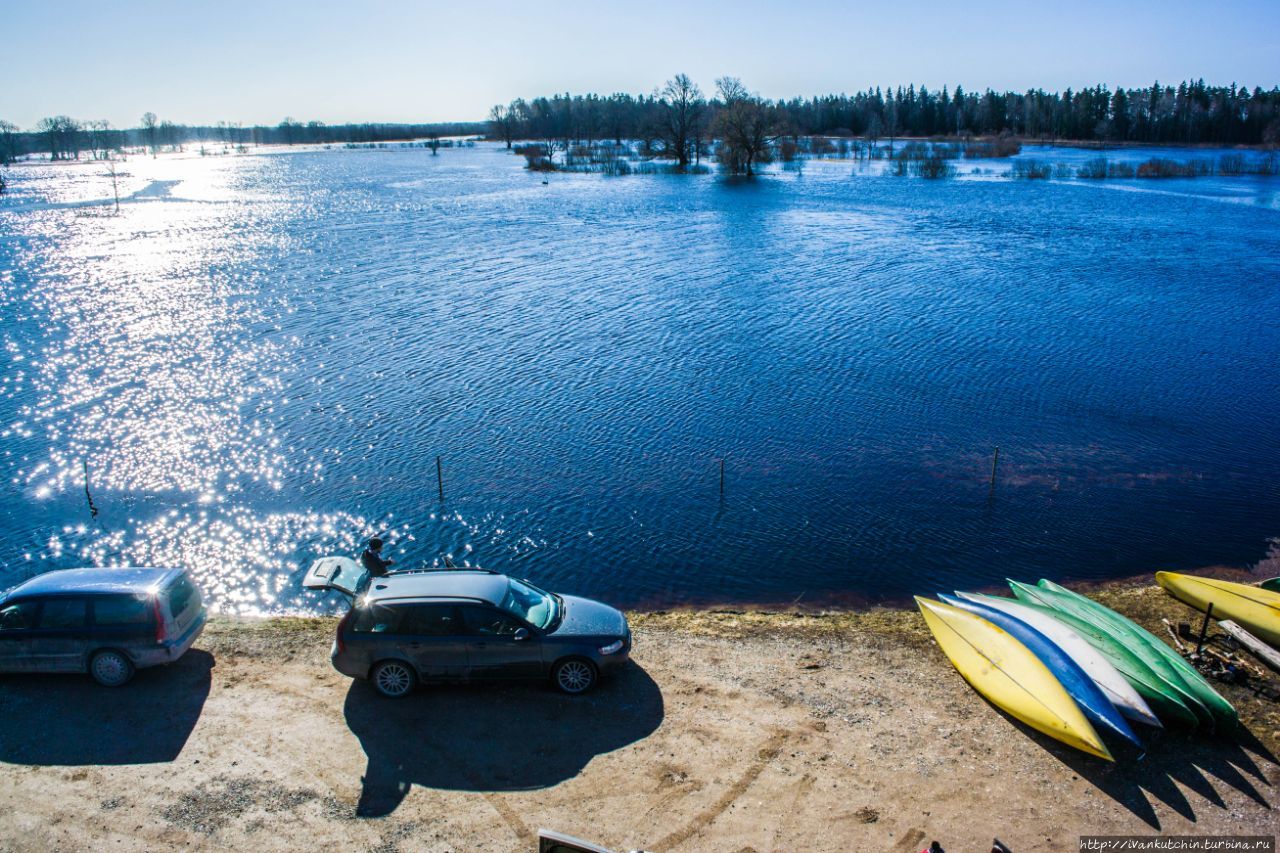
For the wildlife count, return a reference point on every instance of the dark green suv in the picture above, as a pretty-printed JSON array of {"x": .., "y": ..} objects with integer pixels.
[{"x": 442, "y": 625}]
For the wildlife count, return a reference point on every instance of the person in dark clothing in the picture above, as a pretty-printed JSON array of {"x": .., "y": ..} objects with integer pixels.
[{"x": 372, "y": 559}]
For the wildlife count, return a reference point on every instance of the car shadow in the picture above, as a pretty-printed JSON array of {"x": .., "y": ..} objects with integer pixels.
[
  {"x": 70, "y": 720},
  {"x": 493, "y": 737}
]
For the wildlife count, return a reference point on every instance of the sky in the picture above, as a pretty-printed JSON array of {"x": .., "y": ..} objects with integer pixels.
[{"x": 199, "y": 62}]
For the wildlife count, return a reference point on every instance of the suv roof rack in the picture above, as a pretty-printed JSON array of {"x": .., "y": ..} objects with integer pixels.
[{"x": 432, "y": 569}]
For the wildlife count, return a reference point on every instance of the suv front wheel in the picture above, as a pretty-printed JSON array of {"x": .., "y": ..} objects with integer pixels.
[
  {"x": 574, "y": 676},
  {"x": 393, "y": 679}
]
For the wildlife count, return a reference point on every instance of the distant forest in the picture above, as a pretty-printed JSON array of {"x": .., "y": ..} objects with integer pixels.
[
  {"x": 740, "y": 128},
  {"x": 1189, "y": 113},
  {"x": 66, "y": 138}
]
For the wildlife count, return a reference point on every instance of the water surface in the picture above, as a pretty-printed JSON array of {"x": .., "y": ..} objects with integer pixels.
[{"x": 259, "y": 360}]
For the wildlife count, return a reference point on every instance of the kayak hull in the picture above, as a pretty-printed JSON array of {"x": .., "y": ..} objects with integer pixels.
[
  {"x": 1257, "y": 609},
  {"x": 1161, "y": 697},
  {"x": 1220, "y": 712},
  {"x": 1010, "y": 676},
  {"x": 1095, "y": 664},
  {"x": 1084, "y": 690}
]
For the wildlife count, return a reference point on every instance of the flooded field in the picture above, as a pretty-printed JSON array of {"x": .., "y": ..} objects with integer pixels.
[{"x": 260, "y": 359}]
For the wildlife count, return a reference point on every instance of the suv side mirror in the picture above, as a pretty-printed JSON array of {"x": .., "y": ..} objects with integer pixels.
[{"x": 521, "y": 634}]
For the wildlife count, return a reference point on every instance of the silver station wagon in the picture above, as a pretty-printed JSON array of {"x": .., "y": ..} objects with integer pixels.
[
  {"x": 467, "y": 625},
  {"x": 107, "y": 622}
]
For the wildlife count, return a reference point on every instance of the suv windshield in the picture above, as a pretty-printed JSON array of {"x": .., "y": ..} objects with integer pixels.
[{"x": 529, "y": 603}]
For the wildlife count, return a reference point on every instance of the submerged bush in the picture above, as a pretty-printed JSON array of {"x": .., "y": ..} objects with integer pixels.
[
  {"x": 1160, "y": 167},
  {"x": 1094, "y": 170},
  {"x": 1231, "y": 164},
  {"x": 1120, "y": 170},
  {"x": 536, "y": 157},
  {"x": 1030, "y": 169},
  {"x": 933, "y": 167}
]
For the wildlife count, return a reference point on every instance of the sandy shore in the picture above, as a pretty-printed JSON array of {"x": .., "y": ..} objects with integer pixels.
[{"x": 734, "y": 731}]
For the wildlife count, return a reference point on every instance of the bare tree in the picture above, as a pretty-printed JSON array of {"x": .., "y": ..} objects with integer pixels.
[
  {"x": 873, "y": 129},
  {"x": 745, "y": 126},
  {"x": 150, "y": 126},
  {"x": 682, "y": 105},
  {"x": 98, "y": 136},
  {"x": 62, "y": 137},
  {"x": 502, "y": 123},
  {"x": 8, "y": 142},
  {"x": 115, "y": 184},
  {"x": 289, "y": 130},
  {"x": 891, "y": 118},
  {"x": 433, "y": 142},
  {"x": 172, "y": 135}
]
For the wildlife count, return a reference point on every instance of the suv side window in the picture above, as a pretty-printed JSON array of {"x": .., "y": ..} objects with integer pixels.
[
  {"x": 489, "y": 621},
  {"x": 430, "y": 620},
  {"x": 18, "y": 616},
  {"x": 115, "y": 611},
  {"x": 64, "y": 613}
]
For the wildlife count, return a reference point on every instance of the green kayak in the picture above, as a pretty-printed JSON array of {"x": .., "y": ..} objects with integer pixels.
[
  {"x": 1159, "y": 694},
  {"x": 1223, "y": 715}
]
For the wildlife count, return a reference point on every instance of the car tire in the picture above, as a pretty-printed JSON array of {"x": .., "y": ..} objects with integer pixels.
[
  {"x": 393, "y": 679},
  {"x": 574, "y": 675},
  {"x": 111, "y": 668}
]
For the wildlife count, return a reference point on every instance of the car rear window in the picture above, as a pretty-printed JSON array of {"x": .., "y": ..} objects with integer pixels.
[
  {"x": 376, "y": 619},
  {"x": 122, "y": 610},
  {"x": 419, "y": 618},
  {"x": 64, "y": 613},
  {"x": 179, "y": 594}
]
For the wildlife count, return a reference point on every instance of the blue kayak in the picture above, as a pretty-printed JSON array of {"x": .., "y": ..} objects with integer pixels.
[{"x": 1095, "y": 704}]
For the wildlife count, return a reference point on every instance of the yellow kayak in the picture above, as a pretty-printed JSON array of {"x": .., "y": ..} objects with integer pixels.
[
  {"x": 1255, "y": 609},
  {"x": 1009, "y": 675}
]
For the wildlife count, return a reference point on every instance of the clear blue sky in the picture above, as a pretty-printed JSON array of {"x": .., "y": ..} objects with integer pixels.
[{"x": 364, "y": 60}]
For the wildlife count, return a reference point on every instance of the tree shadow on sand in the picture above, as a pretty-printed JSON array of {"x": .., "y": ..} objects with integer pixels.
[
  {"x": 70, "y": 720},
  {"x": 1193, "y": 759},
  {"x": 493, "y": 738}
]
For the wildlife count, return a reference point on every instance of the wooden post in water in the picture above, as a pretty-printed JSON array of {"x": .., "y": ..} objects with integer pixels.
[
  {"x": 995, "y": 461},
  {"x": 722, "y": 476},
  {"x": 440, "y": 479},
  {"x": 93, "y": 510}
]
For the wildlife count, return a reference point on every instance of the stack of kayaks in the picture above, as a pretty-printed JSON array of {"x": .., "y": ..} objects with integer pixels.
[{"x": 1070, "y": 667}]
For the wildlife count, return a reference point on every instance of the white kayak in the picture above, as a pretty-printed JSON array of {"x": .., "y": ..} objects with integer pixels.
[{"x": 1114, "y": 685}]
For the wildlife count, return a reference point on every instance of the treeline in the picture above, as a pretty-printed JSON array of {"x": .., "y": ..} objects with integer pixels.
[
  {"x": 65, "y": 138},
  {"x": 1189, "y": 113}
]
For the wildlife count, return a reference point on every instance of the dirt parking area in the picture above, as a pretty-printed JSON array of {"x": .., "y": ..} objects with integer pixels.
[{"x": 734, "y": 731}]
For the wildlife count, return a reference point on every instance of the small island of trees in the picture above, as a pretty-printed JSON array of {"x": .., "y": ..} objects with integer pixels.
[{"x": 741, "y": 130}]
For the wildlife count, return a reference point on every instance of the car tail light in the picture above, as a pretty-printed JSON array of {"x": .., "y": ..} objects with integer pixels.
[
  {"x": 162, "y": 631},
  {"x": 342, "y": 626}
]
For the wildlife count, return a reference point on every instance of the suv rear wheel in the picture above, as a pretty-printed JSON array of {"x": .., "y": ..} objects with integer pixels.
[
  {"x": 393, "y": 679},
  {"x": 574, "y": 675},
  {"x": 111, "y": 668}
]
